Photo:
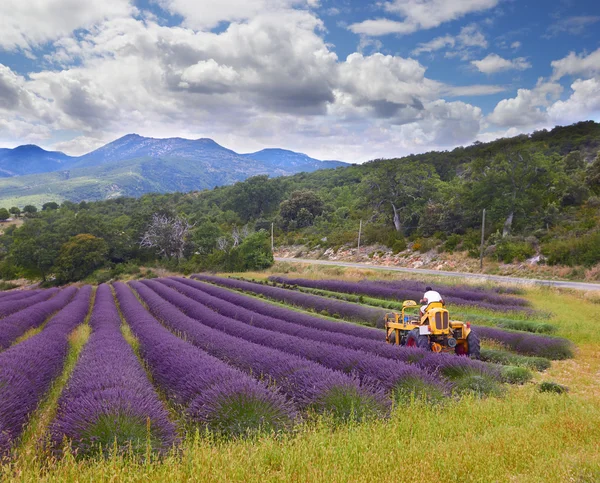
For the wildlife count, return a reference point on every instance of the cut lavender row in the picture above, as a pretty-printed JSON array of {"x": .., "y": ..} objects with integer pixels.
[
  {"x": 457, "y": 296},
  {"x": 428, "y": 361},
  {"x": 370, "y": 368},
  {"x": 13, "y": 306},
  {"x": 309, "y": 384},
  {"x": 28, "y": 369},
  {"x": 528, "y": 343},
  {"x": 282, "y": 313},
  {"x": 212, "y": 394},
  {"x": 17, "y": 324},
  {"x": 369, "y": 315},
  {"x": 109, "y": 398}
]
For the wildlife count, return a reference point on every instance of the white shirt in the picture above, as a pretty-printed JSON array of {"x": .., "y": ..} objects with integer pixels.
[{"x": 432, "y": 296}]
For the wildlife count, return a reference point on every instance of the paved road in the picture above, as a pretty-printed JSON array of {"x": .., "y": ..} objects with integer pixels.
[{"x": 498, "y": 278}]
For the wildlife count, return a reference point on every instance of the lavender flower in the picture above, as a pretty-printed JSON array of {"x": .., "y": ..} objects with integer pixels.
[
  {"x": 369, "y": 367},
  {"x": 20, "y": 322},
  {"x": 528, "y": 343},
  {"x": 210, "y": 392},
  {"x": 109, "y": 398},
  {"x": 307, "y": 383},
  {"x": 28, "y": 369},
  {"x": 12, "y": 306}
]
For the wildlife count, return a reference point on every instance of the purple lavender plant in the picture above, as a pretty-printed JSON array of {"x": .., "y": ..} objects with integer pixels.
[
  {"x": 368, "y": 367},
  {"x": 109, "y": 399},
  {"x": 367, "y": 315},
  {"x": 18, "y": 295},
  {"x": 282, "y": 313},
  {"x": 309, "y": 384},
  {"x": 425, "y": 360},
  {"x": 27, "y": 369},
  {"x": 528, "y": 343},
  {"x": 412, "y": 291},
  {"x": 210, "y": 393},
  {"x": 17, "y": 324},
  {"x": 12, "y": 306}
]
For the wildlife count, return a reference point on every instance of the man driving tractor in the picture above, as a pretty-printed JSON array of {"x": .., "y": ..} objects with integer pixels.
[{"x": 429, "y": 296}]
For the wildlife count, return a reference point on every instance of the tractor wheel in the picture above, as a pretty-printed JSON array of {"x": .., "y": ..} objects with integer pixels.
[
  {"x": 473, "y": 345},
  {"x": 415, "y": 339}
]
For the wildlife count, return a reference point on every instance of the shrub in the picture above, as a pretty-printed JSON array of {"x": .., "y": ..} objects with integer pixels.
[
  {"x": 549, "y": 386},
  {"x": 583, "y": 250},
  {"x": 510, "y": 249},
  {"x": 451, "y": 243},
  {"x": 399, "y": 246},
  {"x": 516, "y": 375}
]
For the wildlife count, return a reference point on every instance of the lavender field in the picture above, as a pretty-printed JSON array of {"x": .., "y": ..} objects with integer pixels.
[{"x": 171, "y": 356}]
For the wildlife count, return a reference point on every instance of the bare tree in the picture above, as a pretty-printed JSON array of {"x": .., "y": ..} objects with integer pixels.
[
  {"x": 222, "y": 243},
  {"x": 167, "y": 235}
]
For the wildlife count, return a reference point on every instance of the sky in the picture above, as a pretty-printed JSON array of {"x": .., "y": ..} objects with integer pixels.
[{"x": 336, "y": 79}]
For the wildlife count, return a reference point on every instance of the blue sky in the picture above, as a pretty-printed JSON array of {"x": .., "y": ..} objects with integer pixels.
[{"x": 337, "y": 79}]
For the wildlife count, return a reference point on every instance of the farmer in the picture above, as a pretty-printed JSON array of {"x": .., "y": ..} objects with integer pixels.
[{"x": 429, "y": 296}]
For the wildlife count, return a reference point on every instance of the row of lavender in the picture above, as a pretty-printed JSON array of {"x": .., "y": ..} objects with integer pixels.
[
  {"x": 337, "y": 345},
  {"x": 28, "y": 369},
  {"x": 522, "y": 342},
  {"x": 108, "y": 397},
  {"x": 409, "y": 290}
]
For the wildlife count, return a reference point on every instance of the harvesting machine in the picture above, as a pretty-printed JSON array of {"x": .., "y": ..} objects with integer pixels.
[{"x": 433, "y": 331}]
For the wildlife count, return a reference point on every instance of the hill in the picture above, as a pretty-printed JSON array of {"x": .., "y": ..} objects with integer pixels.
[
  {"x": 29, "y": 159},
  {"x": 134, "y": 165}
]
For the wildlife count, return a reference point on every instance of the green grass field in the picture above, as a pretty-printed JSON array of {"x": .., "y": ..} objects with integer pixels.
[{"x": 526, "y": 436}]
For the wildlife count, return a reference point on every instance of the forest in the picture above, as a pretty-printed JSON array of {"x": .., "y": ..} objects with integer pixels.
[{"x": 541, "y": 193}]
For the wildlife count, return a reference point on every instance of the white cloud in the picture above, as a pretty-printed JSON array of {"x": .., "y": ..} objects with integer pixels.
[
  {"x": 207, "y": 14},
  {"x": 271, "y": 80},
  {"x": 420, "y": 15},
  {"x": 516, "y": 45},
  {"x": 29, "y": 23},
  {"x": 583, "y": 104},
  {"x": 575, "y": 25},
  {"x": 472, "y": 90},
  {"x": 528, "y": 107},
  {"x": 470, "y": 37},
  {"x": 494, "y": 63},
  {"x": 573, "y": 64},
  {"x": 438, "y": 43}
]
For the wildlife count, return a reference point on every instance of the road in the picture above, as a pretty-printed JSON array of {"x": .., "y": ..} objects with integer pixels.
[{"x": 496, "y": 278}]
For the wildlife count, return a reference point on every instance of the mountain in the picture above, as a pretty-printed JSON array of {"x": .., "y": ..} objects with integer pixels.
[
  {"x": 284, "y": 159},
  {"x": 134, "y": 165},
  {"x": 29, "y": 159}
]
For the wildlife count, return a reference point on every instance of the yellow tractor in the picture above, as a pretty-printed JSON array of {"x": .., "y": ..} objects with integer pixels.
[{"x": 433, "y": 331}]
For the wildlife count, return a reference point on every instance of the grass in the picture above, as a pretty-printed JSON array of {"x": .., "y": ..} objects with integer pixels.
[{"x": 525, "y": 436}]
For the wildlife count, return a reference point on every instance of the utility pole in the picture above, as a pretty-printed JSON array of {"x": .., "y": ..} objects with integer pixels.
[
  {"x": 272, "y": 237},
  {"x": 359, "y": 233},
  {"x": 482, "y": 237}
]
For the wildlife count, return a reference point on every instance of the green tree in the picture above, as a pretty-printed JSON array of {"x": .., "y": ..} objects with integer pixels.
[
  {"x": 399, "y": 189},
  {"x": 35, "y": 248},
  {"x": 15, "y": 211},
  {"x": 79, "y": 257},
  {"x": 301, "y": 207},
  {"x": 4, "y": 214},
  {"x": 592, "y": 178},
  {"x": 29, "y": 210},
  {"x": 51, "y": 205},
  {"x": 514, "y": 183}
]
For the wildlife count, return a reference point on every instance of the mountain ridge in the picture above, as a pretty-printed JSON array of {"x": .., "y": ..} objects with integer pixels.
[{"x": 133, "y": 165}]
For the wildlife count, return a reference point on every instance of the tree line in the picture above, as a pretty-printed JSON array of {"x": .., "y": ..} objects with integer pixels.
[{"x": 541, "y": 192}]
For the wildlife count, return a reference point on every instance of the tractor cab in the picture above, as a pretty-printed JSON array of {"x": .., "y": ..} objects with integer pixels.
[{"x": 432, "y": 331}]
